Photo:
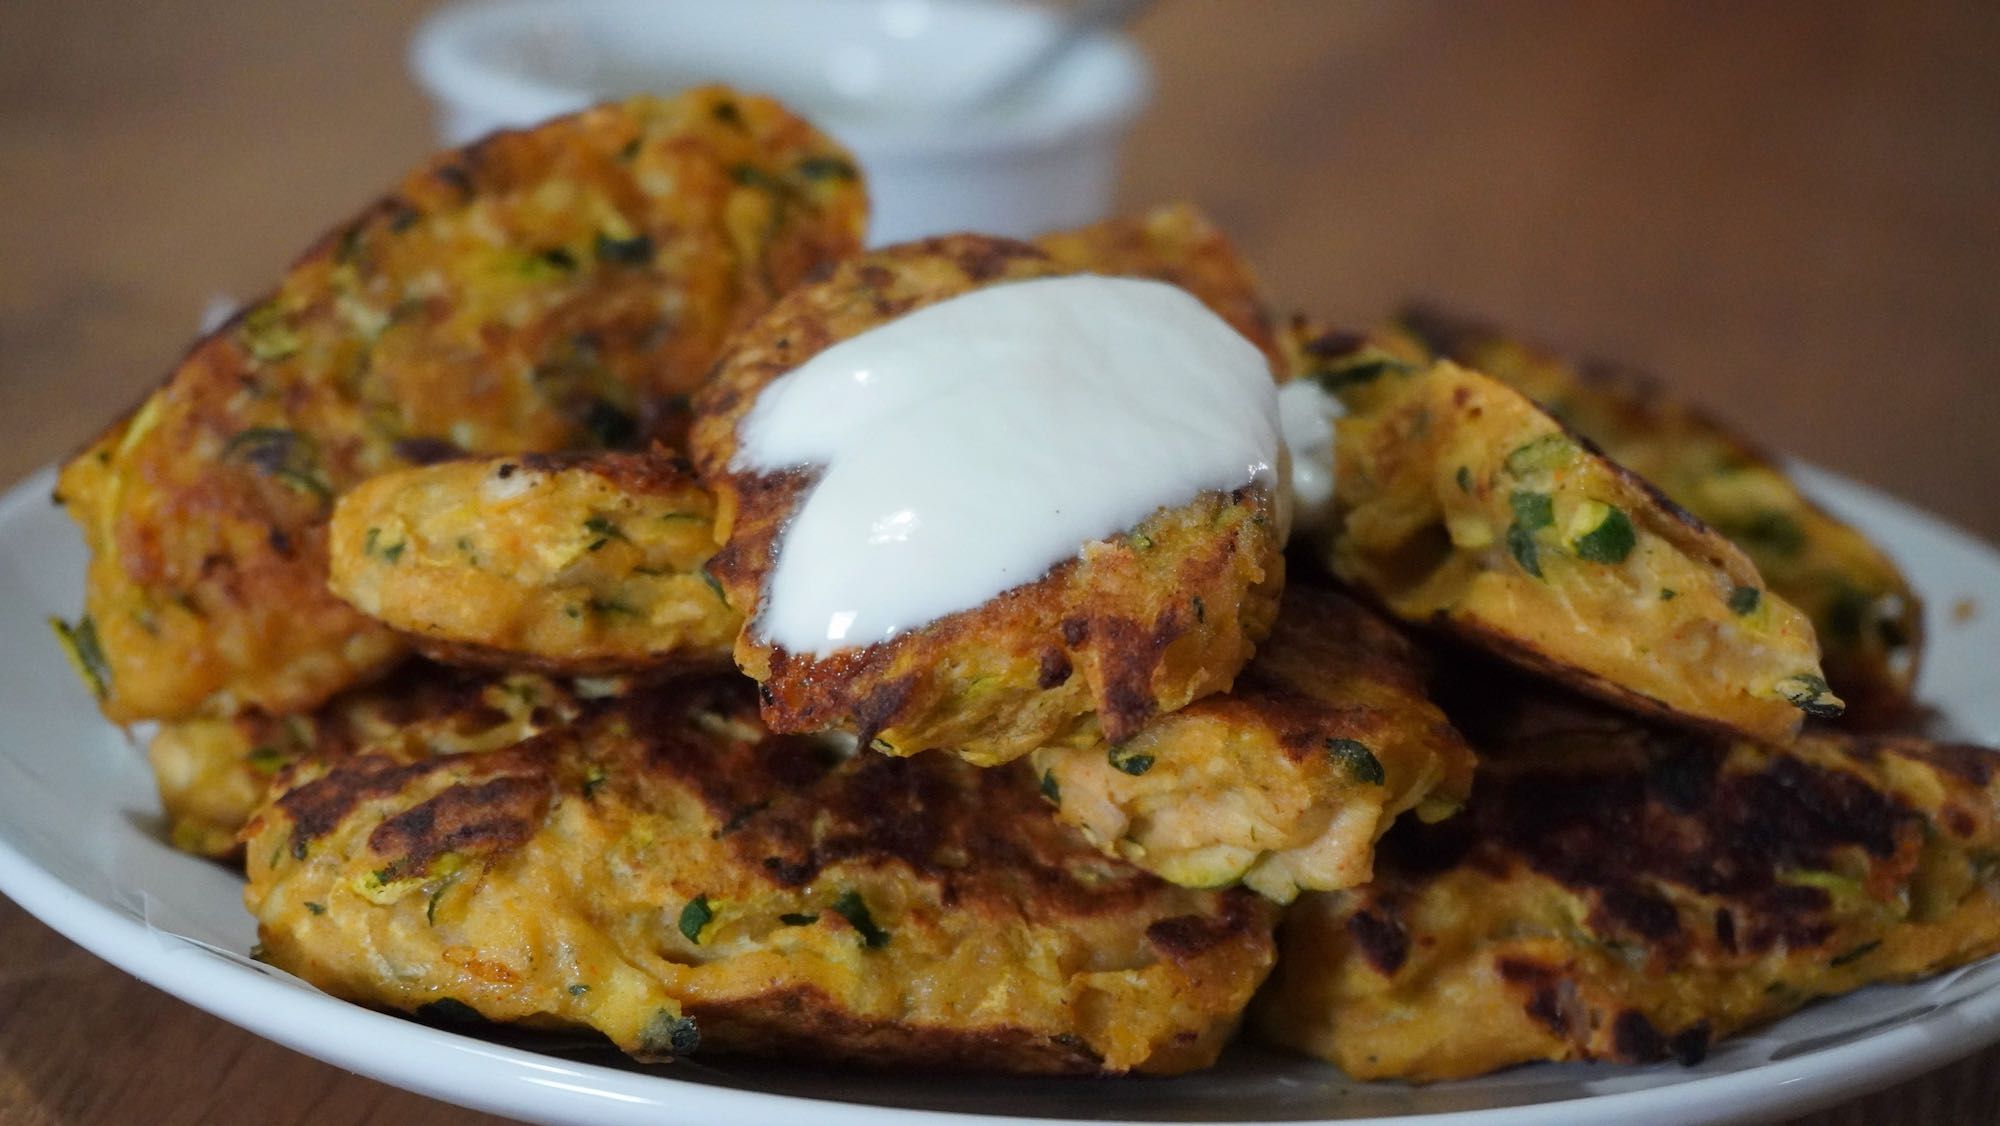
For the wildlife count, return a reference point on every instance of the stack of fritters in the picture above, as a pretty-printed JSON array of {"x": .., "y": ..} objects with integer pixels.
[
  {"x": 1051, "y": 834},
  {"x": 561, "y": 287},
  {"x": 1616, "y": 891},
  {"x": 667, "y": 871}
]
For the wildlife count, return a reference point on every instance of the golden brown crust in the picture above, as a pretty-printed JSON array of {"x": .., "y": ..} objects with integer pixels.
[
  {"x": 1177, "y": 244},
  {"x": 1286, "y": 781},
  {"x": 1631, "y": 894},
  {"x": 1868, "y": 620},
  {"x": 1097, "y": 646},
  {"x": 1461, "y": 504},
  {"x": 564, "y": 564},
  {"x": 667, "y": 859},
  {"x": 542, "y": 289},
  {"x": 212, "y": 772}
]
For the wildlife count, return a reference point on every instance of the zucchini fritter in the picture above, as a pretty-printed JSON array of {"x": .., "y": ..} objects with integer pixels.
[
  {"x": 667, "y": 872},
  {"x": 1173, "y": 243},
  {"x": 567, "y": 564},
  {"x": 1868, "y": 620},
  {"x": 545, "y": 289},
  {"x": 212, "y": 772},
  {"x": 1137, "y": 626},
  {"x": 1459, "y": 502},
  {"x": 1630, "y": 894},
  {"x": 595, "y": 564},
  {"x": 1285, "y": 781}
]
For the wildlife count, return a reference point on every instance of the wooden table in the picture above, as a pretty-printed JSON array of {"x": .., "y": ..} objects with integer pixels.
[{"x": 1787, "y": 208}]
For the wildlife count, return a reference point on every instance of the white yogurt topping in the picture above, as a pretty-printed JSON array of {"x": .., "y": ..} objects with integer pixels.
[
  {"x": 1305, "y": 415},
  {"x": 968, "y": 447}
]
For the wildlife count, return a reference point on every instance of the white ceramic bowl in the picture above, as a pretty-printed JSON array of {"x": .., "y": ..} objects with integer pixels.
[{"x": 872, "y": 72}]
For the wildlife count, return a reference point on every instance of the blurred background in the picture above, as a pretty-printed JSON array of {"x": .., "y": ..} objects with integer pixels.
[{"x": 1787, "y": 208}]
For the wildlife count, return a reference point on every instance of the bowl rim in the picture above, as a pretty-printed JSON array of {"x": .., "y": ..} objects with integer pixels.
[{"x": 459, "y": 79}]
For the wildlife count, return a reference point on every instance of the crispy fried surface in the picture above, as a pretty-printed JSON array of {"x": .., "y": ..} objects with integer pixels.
[
  {"x": 1623, "y": 893},
  {"x": 1093, "y": 649},
  {"x": 1868, "y": 620},
  {"x": 573, "y": 564},
  {"x": 1173, "y": 243},
  {"x": 212, "y": 772},
  {"x": 1286, "y": 781},
  {"x": 540, "y": 290},
  {"x": 1461, "y": 503},
  {"x": 667, "y": 861}
]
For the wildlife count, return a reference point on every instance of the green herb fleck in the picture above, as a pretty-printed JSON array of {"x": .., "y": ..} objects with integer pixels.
[
  {"x": 1359, "y": 761},
  {"x": 1200, "y": 609},
  {"x": 316, "y": 908},
  {"x": 437, "y": 893},
  {"x": 1532, "y": 510},
  {"x": 1050, "y": 789},
  {"x": 1129, "y": 761},
  {"x": 826, "y": 168},
  {"x": 285, "y": 455},
  {"x": 1668, "y": 594},
  {"x": 604, "y": 529},
  {"x": 579, "y": 989},
  {"x": 1809, "y": 694},
  {"x": 669, "y": 1035},
  {"x": 267, "y": 335},
  {"x": 1610, "y": 542},
  {"x": 371, "y": 545},
  {"x": 559, "y": 257},
  {"x": 714, "y": 586},
  {"x": 1464, "y": 478},
  {"x": 79, "y": 643},
  {"x": 1545, "y": 452},
  {"x": 696, "y": 915},
  {"x": 1360, "y": 368},
  {"x": 1521, "y": 545},
  {"x": 634, "y": 251},
  {"x": 301, "y": 481},
  {"x": 798, "y": 919},
  {"x": 1744, "y": 599},
  {"x": 267, "y": 760},
  {"x": 751, "y": 176},
  {"x": 593, "y": 780},
  {"x": 849, "y": 906}
]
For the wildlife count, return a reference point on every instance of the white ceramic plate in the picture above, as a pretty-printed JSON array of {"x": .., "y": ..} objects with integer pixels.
[{"x": 81, "y": 848}]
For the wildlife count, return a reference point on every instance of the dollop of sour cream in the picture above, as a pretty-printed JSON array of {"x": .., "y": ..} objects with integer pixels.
[
  {"x": 968, "y": 447},
  {"x": 1305, "y": 416}
]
